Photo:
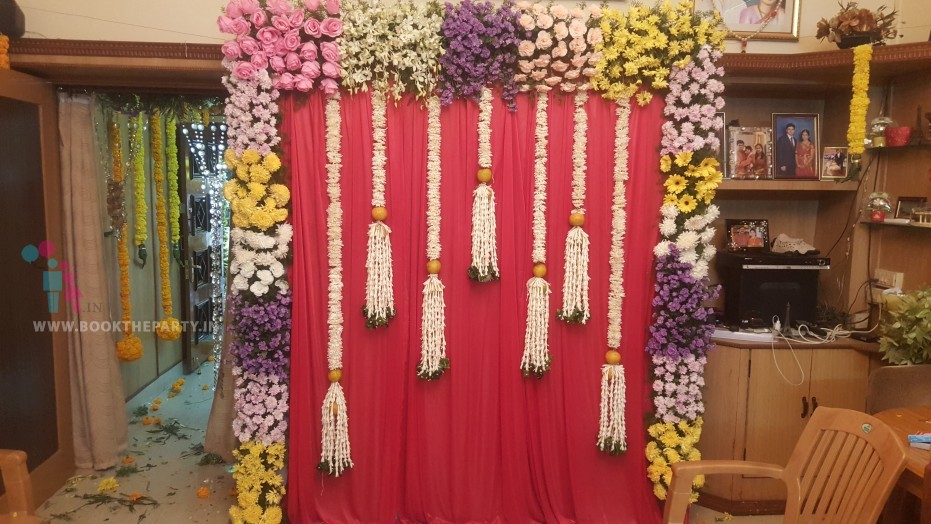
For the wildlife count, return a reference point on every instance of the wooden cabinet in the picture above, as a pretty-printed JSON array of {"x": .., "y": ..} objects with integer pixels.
[{"x": 759, "y": 401}]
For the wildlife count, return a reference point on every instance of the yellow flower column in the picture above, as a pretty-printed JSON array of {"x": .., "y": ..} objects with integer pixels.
[
  {"x": 128, "y": 348},
  {"x": 168, "y": 328}
]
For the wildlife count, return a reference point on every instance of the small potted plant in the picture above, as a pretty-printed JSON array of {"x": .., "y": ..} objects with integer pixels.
[
  {"x": 854, "y": 26},
  {"x": 907, "y": 330}
]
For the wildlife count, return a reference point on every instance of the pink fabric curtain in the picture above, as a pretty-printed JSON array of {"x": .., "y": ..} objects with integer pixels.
[{"x": 482, "y": 444}]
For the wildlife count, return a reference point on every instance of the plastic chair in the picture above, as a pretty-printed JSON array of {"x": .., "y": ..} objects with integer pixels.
[
  {"x": 21, "y": 508},
  {"x": 842, "y": 470},
  {"x": 898, "y": 386}
]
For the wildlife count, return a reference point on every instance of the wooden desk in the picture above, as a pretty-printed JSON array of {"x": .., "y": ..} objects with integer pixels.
[{"x": 916, "y": 479}]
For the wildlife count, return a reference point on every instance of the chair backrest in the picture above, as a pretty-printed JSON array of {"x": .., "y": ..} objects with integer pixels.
[
  {"x": 16, "y": 482},
  {"x": 842, "y": 469},
  {"x": 898, "y": 386}
]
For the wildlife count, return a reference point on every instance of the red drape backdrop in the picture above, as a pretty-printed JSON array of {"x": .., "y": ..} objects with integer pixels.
[{"x": 482, "y": 444}]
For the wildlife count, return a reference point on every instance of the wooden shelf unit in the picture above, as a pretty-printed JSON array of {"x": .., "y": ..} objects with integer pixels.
[{"x": 785, "y": 185}]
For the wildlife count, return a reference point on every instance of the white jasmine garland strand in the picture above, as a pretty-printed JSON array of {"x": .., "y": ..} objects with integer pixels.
[
  {"x": 484, "y": 128},
  {"x": 379, "y": 148},
  {"x": 575, "y": 305},
  {"x": 618, "y": 224},
  {"x": 484, "y": 225},
  {"x": 335, "y": 450},
  {"x": 379, "y": 286},
  {"x": 579, "y": 158},
  {"x": 539, "y": 181},
  {"x": 612, "y": 429},
  {"x": 434, "y": 175},
  {"x": 433, "y": 361}
]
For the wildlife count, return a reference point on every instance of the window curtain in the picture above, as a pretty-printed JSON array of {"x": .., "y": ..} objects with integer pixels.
[
  {"x": 482, "y": 444},
  {"x": 97, "y": 405}
]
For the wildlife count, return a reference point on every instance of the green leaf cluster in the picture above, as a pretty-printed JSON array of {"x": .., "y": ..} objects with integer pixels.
[{"x": 907, "y": 330}]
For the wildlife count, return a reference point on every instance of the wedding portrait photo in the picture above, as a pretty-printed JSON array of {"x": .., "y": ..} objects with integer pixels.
[
  {"x": 797, "y": 143},
  {"x": 834, "y": 163},
  {"x": 772, "y": 19}
]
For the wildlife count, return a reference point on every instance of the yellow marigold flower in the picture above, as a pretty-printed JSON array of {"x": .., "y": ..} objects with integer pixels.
[
  {"x": 155, "y": 407},
  {"x": 698, "y": 481},
  {"x": 242, "y": 172},
  {"x": 280, "y": 194},
  {"x": 672, "y": 456},
  {"x": 675, "y": 184},
  {"x": 687, "y": 203},
  {"x": 229, "y": 190},
  {"x": 250, "y": 156},
  {"x": 271, "y": 162},
  {"x": 135, "y": 496},
  {"x": 158, "y": 400},
  {"x": 694, "y": 455},
  {"x": 171, "y": 394},
  {"x": 157, "y": 421},
  {"x": 652, "y": 451},
  {"x": 665, "y": 163},
  {"x": 659, "y": 491},
  {"x": 108, "y": 484},
  {"x": 252, "y": 514},
  {"x": 684, "y": 158},
  {"x": 176, "y": 389},
  {"x": 258, "y": 173},
  {"x": 205, "y": 387},
  {"x": 256, "y": 190}
]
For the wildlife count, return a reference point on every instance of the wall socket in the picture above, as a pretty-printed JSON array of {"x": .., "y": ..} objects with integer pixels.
[{"x": 887, "y": 279}]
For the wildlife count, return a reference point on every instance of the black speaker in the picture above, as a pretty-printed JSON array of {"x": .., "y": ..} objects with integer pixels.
[{"x": 12, "y": 20}]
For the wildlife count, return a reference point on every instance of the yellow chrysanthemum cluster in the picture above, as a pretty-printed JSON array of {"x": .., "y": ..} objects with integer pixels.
[
  {"x": 254, "y": 202},
  {"x": 174, "y": 199},
  {"x": 4, "y": 52},
  {"x": 259, "y": 483},
  {"x": 860, "y": 101},
  {"x": 672, "y": 443},
  {"x": 142, "y": 209},
  {"x": 640, "y": 47},
  {"x": 690, "y": 184},
  {"x": 168, "y": 328}
]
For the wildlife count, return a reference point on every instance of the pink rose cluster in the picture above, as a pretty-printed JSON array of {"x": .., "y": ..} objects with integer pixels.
[
  {"x": 297, "y": 45},
  {"x": 261, "y": 402},
  {"x": 677, "y": 384},
  {"x": 694, "y": 99},
  {"x": 559, "y": 49}
]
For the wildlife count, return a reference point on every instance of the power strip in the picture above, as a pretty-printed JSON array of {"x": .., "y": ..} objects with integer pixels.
[{"x": 746, "y": 336}]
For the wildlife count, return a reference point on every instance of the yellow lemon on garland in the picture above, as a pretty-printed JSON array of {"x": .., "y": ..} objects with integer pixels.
[
  {"x": 539, "y": 270},
  {"x": 335, "y": 375},
  {"x": 577, "y": 219},
  {"x": 484, "y": 175},
  {"x": 379, "y": 214},
  {"x": 433, "y": 267},
  {"x": 613, "y": 357}
]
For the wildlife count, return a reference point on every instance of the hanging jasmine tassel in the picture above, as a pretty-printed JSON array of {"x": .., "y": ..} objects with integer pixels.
[
  {"x": 379, "y": 284},
  {"x": 335, "y": 454},
  {"x": 612, "y": 432},
  {"x": 575, "y": 282},
  {"x": 484, "y": 266},
  {"x": 537, "y": 359}
]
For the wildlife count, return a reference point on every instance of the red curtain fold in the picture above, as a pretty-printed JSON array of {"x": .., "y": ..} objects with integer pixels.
[{"x": 482, "y": 444}]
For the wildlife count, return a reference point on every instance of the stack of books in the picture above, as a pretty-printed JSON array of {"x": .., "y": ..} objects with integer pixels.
[{"x": 920, "y": 441}]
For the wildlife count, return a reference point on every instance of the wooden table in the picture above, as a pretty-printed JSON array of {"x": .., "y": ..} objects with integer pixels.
[{"x": 916, "y": 479}]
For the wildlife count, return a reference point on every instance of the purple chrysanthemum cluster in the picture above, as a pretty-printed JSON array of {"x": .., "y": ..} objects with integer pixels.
[
  {"x": 261, "y": 402},
  {"x": 677, "y": 384},
  {"x": 682, "y": 325},
  {"x": 262, "y": 334},
  {"x": 695, "y": 96},
  {"x": 481, "y": 41}
]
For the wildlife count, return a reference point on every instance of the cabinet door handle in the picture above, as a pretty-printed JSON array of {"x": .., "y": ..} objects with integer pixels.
[
  {"x": 814, "y": 404},
  {"x": 804, "y": 407}
]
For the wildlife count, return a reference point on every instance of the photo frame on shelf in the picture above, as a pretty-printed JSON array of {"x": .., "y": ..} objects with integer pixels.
[
  {"x": 744, "y": 18},
  {"x": 722, "y": 138},
  {"x": 750, "y": 153},
  {"x": 796, "y": 146},
  {"x": 907, "y": 204},
  {"x": 834, "y": 164},
  {"x": 747, "y": 234}
]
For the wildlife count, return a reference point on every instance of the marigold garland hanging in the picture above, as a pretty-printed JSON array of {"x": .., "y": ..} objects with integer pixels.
[
  {"x": 575, "y": 307},
  {"x": 536, "y": 359},
  {"x": 335, "y": 452},
  {"x": 168, "y": 328},
  {"x": 137, "y": 154},
  {"x": 379, "y": 285},
  {"x": 612, "y": 426},
  {"x": 4, "y": 52},
  {"x": 484, "y": 266},
  {"x": 433, "y": 360},
  {"x": 860, "y": 101},
  {"x": 174, "y": 198},
  {"x": 129, "y": 347}
]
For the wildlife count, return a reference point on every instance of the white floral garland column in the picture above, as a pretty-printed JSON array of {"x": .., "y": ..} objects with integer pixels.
[
  {"x": 575, "y": 307},
  {"x": 335, "y": 456},
  {"x": 433, "y": 360},
  {"x": 612, "y": 429},
  {"x": 379, "y": 284},
  {"x": 484, "y": 266},
  {"x": 536, "y": 359}
]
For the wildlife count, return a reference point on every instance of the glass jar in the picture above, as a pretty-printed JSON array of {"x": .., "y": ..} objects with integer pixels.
[
  {"x": 876, "y": 136},
  {"x": 877, "y": 204}
]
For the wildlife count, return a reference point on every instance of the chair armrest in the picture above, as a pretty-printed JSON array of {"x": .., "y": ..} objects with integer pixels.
[
  {"x": 683, "y": 473},
  {"x": 16, "y": 481}
]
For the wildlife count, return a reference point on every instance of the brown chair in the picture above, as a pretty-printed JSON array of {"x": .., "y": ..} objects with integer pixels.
[
  {"x": 841, "y": 471},
  {"x": 21, "y": 508},
  {"x": 898, "y": 386}
]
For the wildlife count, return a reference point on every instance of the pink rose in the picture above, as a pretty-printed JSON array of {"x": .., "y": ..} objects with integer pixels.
[
  {"x": 595, "y": 10},
  {"x": 332, "y": 27},
  {"x": 302, "y": 83},
  {"x": 571, "y": 75},
  {"x": 244, "y": 70},
  {"x": 281, "y": 23},
  {"x": 568, "y": 87},
  {"x": 523, "y": 5},
  {"x": 225, "y": 24},
  {"x": 538, "y": 9},
  {"x": 312, "y": 5},
  {"x": 560, "y": 67},
  {"x": 330, "y": 51},
  {"x": 525, "y": 66},
  {"x": 526, "y": 48},
  {"x": 312, "y": 28},
  {"x": 259, "y": 60},
  {"x": 577, "y": 45},
  {"x": 538, "y": 75},
  {"x": 259, "y": 18},
  {"x": 296, "y": 19},
  {"x": 280, "y": 48},
  {"x": 248, "y": 45},
  {"x": 292, "y": 62},
  {"x": 559, "y": 11},
  {"x": 561, "y": 30},
  {"x": 331, "y": 70},
  {"x": 543, "y": 89},
  {"x": 332, "y": 7},
  {"x": 285, "y": 81},
  {"x": 544, "y": 41},
  {"x": 526, "y": 21},
  {"x": 278, "y": 7},
  {"x": 231, "y": 50},
  {"x": 553, "y": 80},
  {"x": 310, "y": 69},
  {"x": 578, "y": 12},
  {"x": 309, "y": 51},
  {"x": 520, "y": 78},
  {"x": 249, "y": 7},
  {"x": 577, "y": 28},
  {"x": 277, "y": 63},
  {"x": 329, "y": 86},
  {"x": 595, "y": 58},
  {"x": 233, "y": 10},
  {"x": 545, "y": 21},
  {"x": 292, "y": 39},
  {"x": 268, "y": 35},
  {"x": 589, "y": 71},
  {"x": 241, "y": 26},
  {"x": 542, "y": 61},
  {"x": 271, "y": 49},
  {"x": 560, "y": 50},
  {"x": 579, "y": 61},
  {"x": 595, "y": 36}
]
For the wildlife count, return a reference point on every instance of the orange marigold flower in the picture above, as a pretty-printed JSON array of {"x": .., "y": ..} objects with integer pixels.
[
  {"x": 203, "y": 492},
  {"x": 128, "y": 460}
]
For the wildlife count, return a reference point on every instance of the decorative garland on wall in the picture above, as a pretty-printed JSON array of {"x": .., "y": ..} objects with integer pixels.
[
  {"x": 174, "y": 198},
  {"x": 141, "y": 209},
  {"x": 169, "y": 328},
  {"x": 335, "y": 451},
  {"x": 612, "y": 426},
  {"x": 575, "y": 307},
  {"x": 536, "y": 359},
  {"x": 129, "y": 347},
  {"x": 379, "y": 285},
  {"x": 484, "y": 266},
  {"x": 860, "y": 100},
  {"x": 433, "y": 360}
]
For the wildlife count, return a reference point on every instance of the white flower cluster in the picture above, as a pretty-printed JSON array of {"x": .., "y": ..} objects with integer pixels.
[
  {"x": 434, "y": 176},
  {"x": 693, "y": 239},
  {"x": 539, "y": 180},
  {"x": 560, "y": 51},
  {"x": 394, "y": 46},
  {"x": 484, "y": 128},
  {"x": 379, "y": 148},
  {"x": 251, "y": 113},
  {"x": 334, "y": 234},
  {"x": 256, "y": 259},
  {"x": 618, "y": 223},
  {"x": 579, "y": 157}
]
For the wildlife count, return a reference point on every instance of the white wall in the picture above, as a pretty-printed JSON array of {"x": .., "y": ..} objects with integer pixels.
[{"x": 194, "y": 21}]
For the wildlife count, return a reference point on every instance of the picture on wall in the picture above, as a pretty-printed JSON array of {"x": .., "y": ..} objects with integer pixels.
[
  {"x": 797, "y": 143},
  {"x": 907, "y": 204},
  {"x": 747, "y": 234},
  {"x": 773, "y": 19},
  {"x": 750, "y": 153},
  {"x": 834, "y": 163},
  {"x": 722, "y": 139}
]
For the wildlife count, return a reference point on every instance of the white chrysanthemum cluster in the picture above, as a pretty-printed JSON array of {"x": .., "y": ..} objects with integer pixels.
[
  {"x": 484, "y": 128},
  {"x": 334, "y": 219},
  {"x": 539, "y": 181},
  {"x": 693, "y": 239},
  {"x": 618, "y": 224},
  {"x": 379, "y": 148},
  {"x": 433, "y": 360},
  {"x": 256, "y": 259},
  {"x": 433, "y": 178}
]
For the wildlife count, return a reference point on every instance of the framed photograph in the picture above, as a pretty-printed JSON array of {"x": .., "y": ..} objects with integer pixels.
[
  {"x": 722, "y": 140},
  {"x": 774, "y": 19},
  {"x": 747, "y": 234},
  {"x": 834, "y": 163},
  {"x": 907, "y": 204},
  {"x": 796, "y": 146},
  {"x": 750, "y": 153}
]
